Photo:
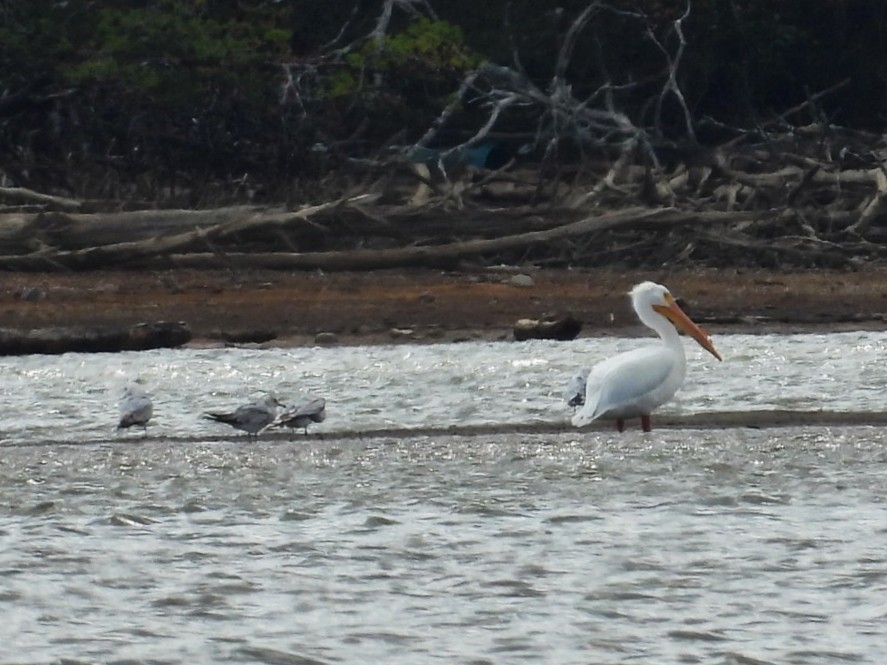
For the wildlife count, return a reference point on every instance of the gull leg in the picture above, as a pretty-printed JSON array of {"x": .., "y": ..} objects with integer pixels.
[{"x": 620, "y": 424}]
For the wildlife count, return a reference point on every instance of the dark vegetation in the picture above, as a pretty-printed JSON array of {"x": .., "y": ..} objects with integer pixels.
[{"x": 343, "y": 134}]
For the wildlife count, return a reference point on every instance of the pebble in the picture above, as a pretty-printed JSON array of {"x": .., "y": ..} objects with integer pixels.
[
  {"x": 326, "y": 338},
  {"x": 523, "y": 281}
]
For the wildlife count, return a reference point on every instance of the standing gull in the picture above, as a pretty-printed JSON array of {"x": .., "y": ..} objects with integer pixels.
[
  {"x": 309, "y": 409},
  {"x": 574, "y": 395},
  {"x": 251, "y": 418},
  {"x": 136, "y": 408}
]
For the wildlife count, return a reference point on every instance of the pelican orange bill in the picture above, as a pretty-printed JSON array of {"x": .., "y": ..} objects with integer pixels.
[{"x": 683, "y": 322}]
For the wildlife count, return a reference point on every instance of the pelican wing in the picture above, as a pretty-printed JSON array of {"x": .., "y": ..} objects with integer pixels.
[{"x": 624, "y": 382}]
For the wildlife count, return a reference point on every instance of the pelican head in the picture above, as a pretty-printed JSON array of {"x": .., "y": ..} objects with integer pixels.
[{"x": 653, "y": 301}]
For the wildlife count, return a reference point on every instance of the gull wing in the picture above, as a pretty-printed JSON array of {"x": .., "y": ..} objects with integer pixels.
[
  {"x": 257, "y": 414},
  {"x": 136, "y": 407},
  {"x": 574, "y": 395},
  {"x": 308, "y": 406}
]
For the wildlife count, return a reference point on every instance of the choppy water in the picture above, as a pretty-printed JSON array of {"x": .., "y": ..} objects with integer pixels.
[{"x": 683, "y": 546}]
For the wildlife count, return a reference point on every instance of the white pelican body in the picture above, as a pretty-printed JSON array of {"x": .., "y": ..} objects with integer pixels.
[{"x": 633, "y": 384}]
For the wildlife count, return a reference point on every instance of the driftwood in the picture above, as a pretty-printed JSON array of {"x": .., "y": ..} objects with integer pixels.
[
  {"x": 162, "y": 334},
  {"x": 133, "y": 254},
  {"x": 813, "y": 197},
  {"x": 21, "y": 195},
  {"x": 562, "y": 328}
]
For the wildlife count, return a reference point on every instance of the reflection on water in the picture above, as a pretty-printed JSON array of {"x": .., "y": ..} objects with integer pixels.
[{"x": 724, "y": 546}]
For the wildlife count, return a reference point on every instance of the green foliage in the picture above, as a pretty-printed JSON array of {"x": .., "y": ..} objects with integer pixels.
[
  {"x": 401, "y": 80},
  {"x": 197, "y": 90},
  {"x": 176, "y": 53},
  {"x": 430, "y": 54}
]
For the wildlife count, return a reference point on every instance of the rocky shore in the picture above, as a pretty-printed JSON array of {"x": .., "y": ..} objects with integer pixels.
[{"x": 282, "y": 308}]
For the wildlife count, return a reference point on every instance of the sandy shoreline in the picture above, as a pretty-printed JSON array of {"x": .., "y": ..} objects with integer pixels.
[
  {"x": 292, "y": 309},
  {"x": 759, "y": 420}
]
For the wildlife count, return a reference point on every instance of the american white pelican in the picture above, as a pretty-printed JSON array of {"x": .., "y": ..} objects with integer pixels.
[
  {"x": 634, "y": 383},
  {"x": 251, "y": 418},
  {"x": 309, "y": 409},
  {"x": 136, "y": 408}
]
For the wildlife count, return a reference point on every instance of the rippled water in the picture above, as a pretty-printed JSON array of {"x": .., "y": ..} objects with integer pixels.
[
  {"x": 74, "y": 397},
  {"x": 710, "y": 546}
]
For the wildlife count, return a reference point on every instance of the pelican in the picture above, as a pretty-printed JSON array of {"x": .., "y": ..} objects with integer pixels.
[
  {"x": 634, "y": 383},
  {"x": 309, "y": 409},
  {"x": 251, "y": 418},
  {"x": 136, "y": 408}
]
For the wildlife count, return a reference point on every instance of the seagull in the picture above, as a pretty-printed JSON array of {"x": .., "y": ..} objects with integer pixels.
[
  {"x": 251, "y": 418},
  {"x": 309, "y": 409},
  {"x": 634, "y": 383},
  {"x": 574, "y": 395},
  {"x": 136, "y": 408}
]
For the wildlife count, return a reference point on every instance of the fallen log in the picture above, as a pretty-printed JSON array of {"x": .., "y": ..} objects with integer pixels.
[
  {"x": 125, "y": 252},
  {"x": 140, "y": 337},
  {"x": 146, "y": 231},
  {"x": 160, "y": 252},
  {"x": 21, "y": 195},
  {"x": 561, "y": 328},
  {"x": 68, "y": 231}
]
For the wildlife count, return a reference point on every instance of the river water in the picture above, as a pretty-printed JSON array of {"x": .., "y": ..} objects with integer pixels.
[{"x": 407, "y": 545}]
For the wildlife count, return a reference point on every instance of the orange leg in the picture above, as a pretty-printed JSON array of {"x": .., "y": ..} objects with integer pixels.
[
  {"x": 646, "y": 425},
  {"x": 620, "y": 425}
]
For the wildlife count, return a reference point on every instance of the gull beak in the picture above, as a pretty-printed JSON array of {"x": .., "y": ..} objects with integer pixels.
[{"x": 681, "y": 321}]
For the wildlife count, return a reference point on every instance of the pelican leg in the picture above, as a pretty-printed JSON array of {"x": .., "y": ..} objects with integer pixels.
[
  {"x": 620, "y": 425},
  {"x": 646, "y": 425}
]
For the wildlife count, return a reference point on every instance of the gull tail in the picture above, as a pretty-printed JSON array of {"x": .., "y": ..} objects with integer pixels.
[{"x": 226, "y": 418}]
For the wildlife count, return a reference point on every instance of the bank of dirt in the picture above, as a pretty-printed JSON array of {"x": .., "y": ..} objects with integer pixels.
[{"x": 275, "y": 307}]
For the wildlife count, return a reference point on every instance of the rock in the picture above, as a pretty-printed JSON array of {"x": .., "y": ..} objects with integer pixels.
[
  {"x": 400, "y": 333},
  {"x": 522, "y": 281},
  {"x": 436, "y": 332},
  {"x": 326, "y": 338},
  {"x": 249, "y": 336},
  {"x": 158, "y": 335},
  {"x": 32, "y": 294}
]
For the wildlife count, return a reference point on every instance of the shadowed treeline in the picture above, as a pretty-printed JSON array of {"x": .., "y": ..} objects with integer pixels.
[{"x": 205, "y": 103}]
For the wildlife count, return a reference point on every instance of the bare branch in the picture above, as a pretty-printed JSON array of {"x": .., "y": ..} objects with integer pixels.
[
  {"x": 671, "y": 84},
  {"x": 566, "y": 51}
]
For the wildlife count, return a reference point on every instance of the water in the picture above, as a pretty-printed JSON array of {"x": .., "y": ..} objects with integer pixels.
[
  {"x": 681, "y": 546},
  {"x": 73, "y": 398}
]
